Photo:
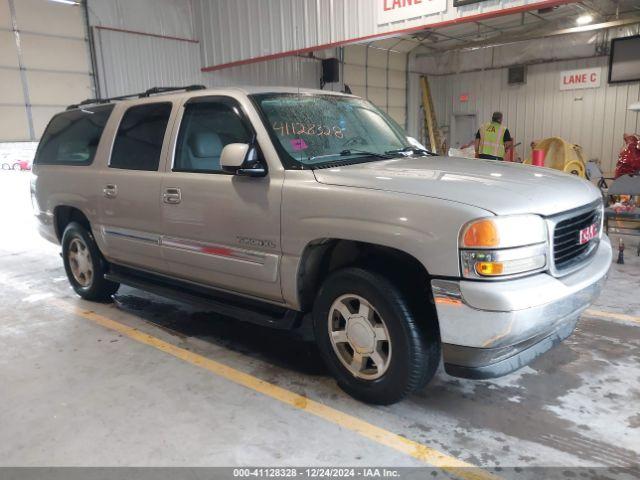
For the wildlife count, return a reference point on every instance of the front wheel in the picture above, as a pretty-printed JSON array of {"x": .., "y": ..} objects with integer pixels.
[
  {"x": 85, "y": 265},
  {"x": 371, "y": 338}
]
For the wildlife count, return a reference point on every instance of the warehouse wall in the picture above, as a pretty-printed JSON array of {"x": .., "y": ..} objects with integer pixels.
[
  {"x": 154, "y": 43},
  {"x": 292, "y": 71},
  {"x": 144, "y": 43},
  {"x": 593, "y": 118},
  {"x": 161, "y": 17},
  {"x": 237, "y": 30},
  {"x": 44, "y": 64},
  {"x": 130, "y": 62}
]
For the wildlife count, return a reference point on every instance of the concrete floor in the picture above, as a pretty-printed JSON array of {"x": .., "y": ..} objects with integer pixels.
[{"x": 73, "y": 393}]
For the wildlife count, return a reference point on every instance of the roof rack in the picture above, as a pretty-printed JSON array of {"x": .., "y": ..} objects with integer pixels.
[{"x": 145, "y": 94}]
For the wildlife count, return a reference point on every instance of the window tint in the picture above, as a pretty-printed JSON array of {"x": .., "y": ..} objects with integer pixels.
[
  {"x": 207, "y": 126},
  {"x": 140, "y": 135},
  {"x": 71, "y": 138}
]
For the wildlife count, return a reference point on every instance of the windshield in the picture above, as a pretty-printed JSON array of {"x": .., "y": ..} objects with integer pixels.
[{"x": 311, "y": 130}]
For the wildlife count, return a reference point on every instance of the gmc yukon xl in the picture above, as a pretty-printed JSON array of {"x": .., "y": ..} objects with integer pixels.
[{"x": 303, "y": 208}]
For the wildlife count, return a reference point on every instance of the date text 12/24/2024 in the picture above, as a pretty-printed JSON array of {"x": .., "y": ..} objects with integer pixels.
[{"x": 316, "y": 472}]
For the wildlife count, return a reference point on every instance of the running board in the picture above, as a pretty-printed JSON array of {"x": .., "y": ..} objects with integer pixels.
[{"x": 230, "y": 305}]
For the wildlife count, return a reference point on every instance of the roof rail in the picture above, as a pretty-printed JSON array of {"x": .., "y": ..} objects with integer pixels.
[{"x": 145, "y": 94}]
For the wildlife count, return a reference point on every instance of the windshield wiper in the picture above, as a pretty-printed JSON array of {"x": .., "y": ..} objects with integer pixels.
[
  {"x": 415, "y": 150},
  {"x": 351, "y": 151}
]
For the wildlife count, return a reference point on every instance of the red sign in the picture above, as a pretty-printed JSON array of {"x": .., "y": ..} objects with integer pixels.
[
  {"x": 397, "y": 10},
  {"x": 464, "y": 97},
  {"x": 588, "y": 233},
  {"x": 583, "y": 78}
]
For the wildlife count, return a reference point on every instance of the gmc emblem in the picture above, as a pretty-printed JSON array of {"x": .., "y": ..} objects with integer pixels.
[{"x": 588, "y": 233}]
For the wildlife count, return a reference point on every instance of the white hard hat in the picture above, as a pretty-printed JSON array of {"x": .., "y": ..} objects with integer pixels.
[{"x": 635, "y": 107}]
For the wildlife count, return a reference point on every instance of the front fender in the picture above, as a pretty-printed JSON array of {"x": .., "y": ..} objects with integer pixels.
[{"x": 423, "y": 227}]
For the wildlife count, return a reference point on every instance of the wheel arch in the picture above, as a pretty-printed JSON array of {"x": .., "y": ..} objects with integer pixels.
[
  {"x": 323, "y": 256},
  {"x": 65, "y": 214}
]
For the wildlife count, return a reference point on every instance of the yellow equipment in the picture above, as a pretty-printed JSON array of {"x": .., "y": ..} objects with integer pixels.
[
  {"x": 561, "y": 155},
  {"x": 431, "y": 124}
]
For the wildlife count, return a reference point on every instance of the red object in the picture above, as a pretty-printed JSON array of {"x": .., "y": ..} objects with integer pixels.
[
  {"x": 629, "y": 157},
  {"x": 588, "y": 233},
  {"x": 464, "y": 97},
  {"x": 537, "y": 158},
  {"x": 511, "y": 152}
]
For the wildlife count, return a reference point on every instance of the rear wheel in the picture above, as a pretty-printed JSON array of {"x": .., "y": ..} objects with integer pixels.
[
  {"x": 371, "y": 339},
  {"x": 85, "y": 265}
]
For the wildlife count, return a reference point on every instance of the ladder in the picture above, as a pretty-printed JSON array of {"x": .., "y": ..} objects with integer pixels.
[{"x": 430, "y": 122}]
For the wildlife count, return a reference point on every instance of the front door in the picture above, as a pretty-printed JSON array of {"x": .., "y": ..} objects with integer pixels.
[
  {"x": 219, "y": 229},
  {"x": 130, "y": 217}
]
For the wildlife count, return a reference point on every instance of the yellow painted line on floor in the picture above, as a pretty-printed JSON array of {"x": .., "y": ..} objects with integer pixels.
[
  {"x": 615, "y": 316},
  {"x": 399, "y": 443}
]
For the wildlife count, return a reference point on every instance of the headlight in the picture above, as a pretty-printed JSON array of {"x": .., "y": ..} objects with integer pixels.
[{"x": 503, "y": 246}]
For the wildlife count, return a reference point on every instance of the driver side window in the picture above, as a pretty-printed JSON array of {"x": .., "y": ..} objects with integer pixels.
[{"x": 206, "y": 128}]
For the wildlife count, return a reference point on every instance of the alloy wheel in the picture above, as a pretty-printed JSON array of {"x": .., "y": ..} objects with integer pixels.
[
  {"x": 359, "y": 337},
  {"x": 80, "y": 262}
]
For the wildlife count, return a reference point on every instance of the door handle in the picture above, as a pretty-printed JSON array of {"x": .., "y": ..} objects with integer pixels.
[
  {"x": 110, "y": 191},
  {"x": 172, "y": 196}
]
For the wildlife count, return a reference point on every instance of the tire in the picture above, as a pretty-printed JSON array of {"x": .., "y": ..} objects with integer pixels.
[
  {"x": 81, "y": 255},
  {"x": 408, "y": 358}
]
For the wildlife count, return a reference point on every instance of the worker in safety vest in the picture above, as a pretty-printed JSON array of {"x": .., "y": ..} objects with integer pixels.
[{"x": 493, "y": 139}]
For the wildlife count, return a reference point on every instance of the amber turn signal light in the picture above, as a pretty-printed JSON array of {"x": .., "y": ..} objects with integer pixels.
[
  {"x": 482, "y": 233},
  {"x": 489, "y": 268}
]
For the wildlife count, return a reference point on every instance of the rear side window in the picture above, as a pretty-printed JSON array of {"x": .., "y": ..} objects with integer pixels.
[
  {"x": 72, "y": 137},
  {"x": 140, "y": 135}
]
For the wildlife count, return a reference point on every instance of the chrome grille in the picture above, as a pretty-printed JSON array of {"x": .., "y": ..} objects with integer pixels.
[{"x": 567, "y": 250}]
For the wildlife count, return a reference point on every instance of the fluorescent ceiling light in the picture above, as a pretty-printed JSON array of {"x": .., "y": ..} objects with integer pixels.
[
  {"x": 635, "y": 107},
  {"x": 67, "y": 2},
  {"x": 584, "y": 19}
]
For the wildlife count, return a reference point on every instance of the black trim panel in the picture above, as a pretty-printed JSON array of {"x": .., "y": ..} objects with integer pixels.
[
  {"x": 482, "y": 363},
  {"x": 234, "y": 306}
]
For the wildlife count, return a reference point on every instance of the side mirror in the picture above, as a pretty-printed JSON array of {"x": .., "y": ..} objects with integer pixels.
[{"x": 242, "y": 159}]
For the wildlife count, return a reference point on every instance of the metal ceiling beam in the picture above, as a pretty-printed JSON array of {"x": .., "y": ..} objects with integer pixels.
[{"x": 532, "y": 34}]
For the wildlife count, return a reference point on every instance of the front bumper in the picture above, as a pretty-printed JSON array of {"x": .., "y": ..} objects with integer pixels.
[{"x": 489, "y": 329}]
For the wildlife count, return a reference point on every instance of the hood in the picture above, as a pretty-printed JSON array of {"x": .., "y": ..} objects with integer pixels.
[{"x": 503, "y": 188}]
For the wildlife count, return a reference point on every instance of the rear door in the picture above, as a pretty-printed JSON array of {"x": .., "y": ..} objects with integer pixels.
[
  {"x": 130, "y": 192},
  {"x": 219, "y": 229}
]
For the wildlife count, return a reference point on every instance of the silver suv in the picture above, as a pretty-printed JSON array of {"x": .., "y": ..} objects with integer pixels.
[{"x": 304, "y": 208}]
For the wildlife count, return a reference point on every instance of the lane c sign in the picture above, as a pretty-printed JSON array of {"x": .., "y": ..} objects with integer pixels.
[{"x": 578, "y": 79}]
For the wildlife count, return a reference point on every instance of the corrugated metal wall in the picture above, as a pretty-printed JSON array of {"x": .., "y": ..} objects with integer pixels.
[
  {"x": 287, "y": 71},
  {"x": 234, "y": 30},
  {"x": 593, "y": 118},
  {"x": 129, "y": 62},
  {"x": 143, "y": 44},
  {"x": 162, "y": 17}
]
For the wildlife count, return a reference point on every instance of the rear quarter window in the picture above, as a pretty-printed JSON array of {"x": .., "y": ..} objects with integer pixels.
[
  {"x": 138, "y": 143},
  {"x": 72, "y": 137}
]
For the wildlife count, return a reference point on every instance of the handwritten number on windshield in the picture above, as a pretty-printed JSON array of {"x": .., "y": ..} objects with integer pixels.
[{"x": 310, "y": 129}]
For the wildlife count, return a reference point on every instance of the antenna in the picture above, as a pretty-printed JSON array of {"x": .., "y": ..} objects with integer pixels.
[
  {"x": 296, "y": 39},
  {"x": 299, "y": 62}
]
